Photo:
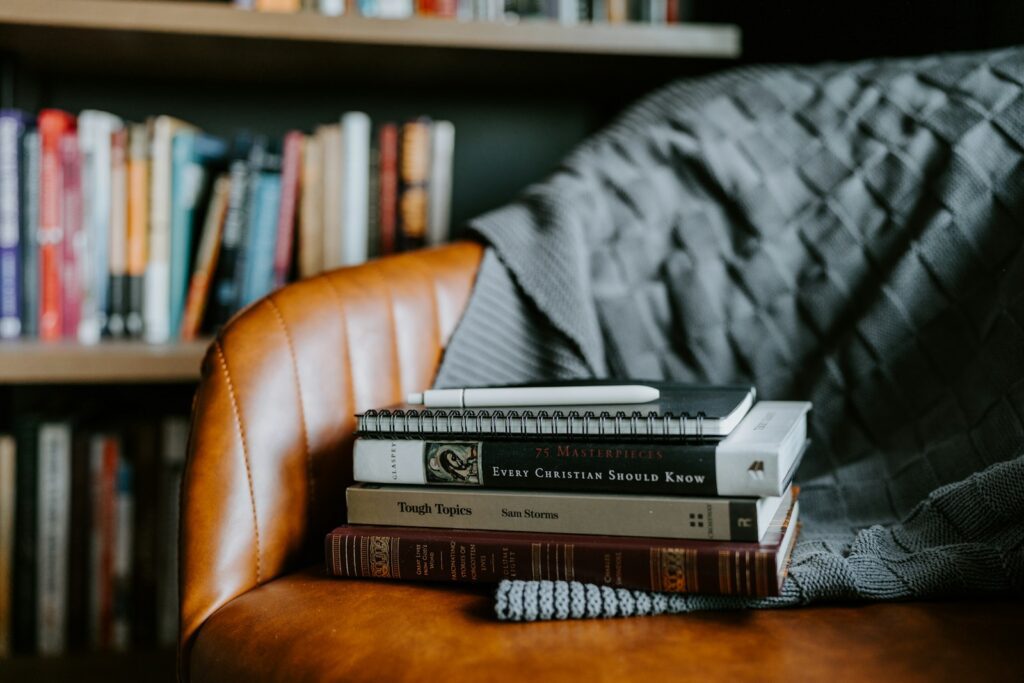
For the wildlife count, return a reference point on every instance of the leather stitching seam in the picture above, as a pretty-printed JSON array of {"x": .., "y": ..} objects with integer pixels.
[{"x": 245, "y": 451}]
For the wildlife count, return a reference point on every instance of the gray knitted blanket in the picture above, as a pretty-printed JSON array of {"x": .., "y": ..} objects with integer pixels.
[{"x": 847, "y": 234}]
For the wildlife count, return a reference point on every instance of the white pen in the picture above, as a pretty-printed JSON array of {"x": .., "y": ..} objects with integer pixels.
[{"x": 595, "y": 394}]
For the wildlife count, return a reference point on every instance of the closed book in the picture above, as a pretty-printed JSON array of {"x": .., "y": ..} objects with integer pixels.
[
  {"x": 253, "y": 249},
  {"x": 8, "y": 453},
  {"x": 141, "y": 446},
  {"x": 311, "y": 213},
  {"x": 757, "y": 459},
  {"x": 95, "y": 131},
  {"x": 26, "y": 523},
  {"x": 414, "y": 183},
  {"x": 713, "y": 519},
  {"x": 388, "y": 192},
  {"x": 124, "y": 523},
  {"x": 682, "y": 411},
  {"x": 263, "y": 214},
  {"x": 29, "y": 243},
  {"x": 206, "y": 260},
  {"x": 74, "y": 274},
  {"x": 442, "y": 152},
  {"x": 137, "y": 227},
  {"x": 291, "y": 174},
  {"x": 81, "y": 533},
  {"x": 355, "y": 188},
  {"x": 225, "y": 295},
  {"x": 662, "y": 565},
  {"x": 53, "y": 126},
  {"x": 173, "y": 447},
  {"x": 157, "y": 290},
  {"x": 333, "y": 160},
  {"x": 117, "y": 258},
  {"x": 12, "y": 129},
  {"x": 193, "y": 154},
  {"x": 104, "y": 455},
  {"x": 52, "y": 536}
]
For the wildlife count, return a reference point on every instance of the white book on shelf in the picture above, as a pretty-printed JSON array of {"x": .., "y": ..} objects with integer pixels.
[
  {"x": 355, "y": 187},
  {"x": 442, "y": 151},
  {"x": 95, "y": 129},
  {"x": 157, "y": 298},
  {"x": 394, "y": 9},
  {"x": 53, "y": 532},
  {"x": 332, "y": 8}
]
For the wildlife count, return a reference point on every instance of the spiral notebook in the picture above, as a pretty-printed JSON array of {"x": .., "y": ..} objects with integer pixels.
[{"x": 683, "y": 411}]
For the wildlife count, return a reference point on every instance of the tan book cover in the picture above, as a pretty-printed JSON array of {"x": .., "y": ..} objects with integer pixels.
[
  {"x": 333, "y": 156},
  {"x": 7, "y": 493},
  {"x": 137, "y": 223},
  {"x": 311, "y": 213},
  {"x": 206, "y": 259}
]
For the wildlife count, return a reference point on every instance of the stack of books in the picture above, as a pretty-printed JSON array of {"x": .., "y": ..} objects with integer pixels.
[
  {"x": 690, "y": 493},
  {"x": 89, "y": 533},
  {"x": 508, "y": 11},
  {"x": 161, "y": 231}
]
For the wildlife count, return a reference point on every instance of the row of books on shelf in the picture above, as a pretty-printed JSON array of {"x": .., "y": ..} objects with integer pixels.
[
  {"x": 161, "y": 231},
  {"x": 562, "y": 11},
  {"x": 88, "y": 535},
  {"x": 692, "y": 494}
]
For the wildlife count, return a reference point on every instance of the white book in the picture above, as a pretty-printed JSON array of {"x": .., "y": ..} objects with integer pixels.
[
  {"x": 332, "y": 8},
  {"x": 569, "y": 11},
  {"x": 174, "y": 444},
  {"x": 355, "y": 187},
  {"x": 53, "y": 533},
  {"x": 442, "y": 152},
  {"x": 94, "y": 131},
  {"x": 394, "y": 9},
  {"x": 7, "y": 499},
  {"x": 157, "y": 298}
]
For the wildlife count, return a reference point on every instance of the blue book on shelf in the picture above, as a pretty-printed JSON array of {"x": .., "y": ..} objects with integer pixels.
[
  {"x": 191, "y": 154},
  {"x": 259, "y": 274},
  {"x": 12, "y": 129}
]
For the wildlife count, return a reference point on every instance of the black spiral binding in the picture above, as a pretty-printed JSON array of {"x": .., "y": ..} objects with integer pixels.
[{"x": 526, "y": 424}]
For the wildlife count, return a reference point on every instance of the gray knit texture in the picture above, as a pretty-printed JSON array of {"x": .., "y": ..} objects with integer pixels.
[{"x": 848, "y": 234}]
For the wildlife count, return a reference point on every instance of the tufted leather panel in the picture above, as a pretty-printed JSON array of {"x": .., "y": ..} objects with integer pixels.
[{"x": 270, "y": 450}]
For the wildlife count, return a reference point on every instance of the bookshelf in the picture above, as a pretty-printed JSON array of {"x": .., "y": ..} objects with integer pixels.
[{"x": 520, "y": 95}]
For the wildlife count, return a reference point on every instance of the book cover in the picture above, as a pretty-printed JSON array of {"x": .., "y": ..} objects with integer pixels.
[
  {"x": 137, "y": 226},
  {"x": 355, "y": 189},
  {"x": 661, "y": 565},
  {"x": 291, "y": 174},
  {"x": 262, "y": 160},
  {"x": 682, "y": 411},
  {"x": 193, "y": 154},
  {"x": 103, "y": 463},
  {"x": 12, "y": 129},
  {"x": 442, "y": 152},
  {"x": 373, "y": 205},
  {"x": 713, "y": 519},
  {"x": 226, "y": 295},
  {"x": 414, "y": 183},
  {"x": 174, "y": 445},
  {"x": 117, "y": 258},
  {"x": 206, "y": 259},
  {"x": 157, "y": 289},
  {"x": 8, "y": 453},
  {"x": 29, "y": 242},
  {"x": 79, "y": 542},
  {"x": 26, "y": 524},
  {"x": 95, "y": 132},
  {"x": 259, "y": 275},
  {"x": 757, "y": 459},
  {"x": 75, "y": 246},
  {"x": 333, "y": 160},
  {"x": 53, "y": 125},
  {"x": 311, "y": 213},
  {"x": 122, "y": 565},
  {"x": 388, "y": 193},
  {"x": 52, "y": 536}
]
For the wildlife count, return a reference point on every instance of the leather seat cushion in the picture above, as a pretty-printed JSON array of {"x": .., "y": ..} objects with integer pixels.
[{"x": 308, "y": 627}]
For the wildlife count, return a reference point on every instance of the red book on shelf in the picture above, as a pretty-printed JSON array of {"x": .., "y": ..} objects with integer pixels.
[
  {"x": 75, "y": 246},
  {"x": 426, "y": 8},
  {"x": 291, "y": 167},
  {"x": 446, "y": 9},
  {"x": 388, "y": 187},
  {"x": 53, "y": 125}
]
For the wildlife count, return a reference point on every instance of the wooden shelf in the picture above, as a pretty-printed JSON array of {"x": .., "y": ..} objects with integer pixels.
[
  {"x": 677, "y": 40},
  {"x": 33, "y": 362},
  {"x": 215, "y": 42}
]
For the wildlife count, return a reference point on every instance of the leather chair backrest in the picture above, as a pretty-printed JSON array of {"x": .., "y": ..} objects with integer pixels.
[{"x": 273, "y": 419}]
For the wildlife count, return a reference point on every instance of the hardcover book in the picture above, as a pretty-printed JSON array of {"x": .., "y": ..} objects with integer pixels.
[
  {"x": 713, "y": 519},
  {"x": 52, "y": 536},
  {"x": 117, "y": 259},
  {"x": 414, "y": 183},
  {"x": 137, "y": 226},
  {"x": 683, "y": 411},
  {"x": 664, "y": 565},
  {"x": 225, "y": 295},
  {"x": 29, "y": 242},
  {"x": 311, "y": 225},
  {"x": 291, "y": 171},
  {"x": 53, "y": 126},
  {"x": 355, "y": 191},
  {"x": 74, "y": 273},
  {"x": 7, "y": 507},
  {"x": 757, "y": 459},
  {"x": 206, "y": 259},
  {"x": 12, "y": 129}
]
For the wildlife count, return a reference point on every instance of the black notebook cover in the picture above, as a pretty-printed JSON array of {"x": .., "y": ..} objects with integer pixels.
[{"x": 683, "y": 410}]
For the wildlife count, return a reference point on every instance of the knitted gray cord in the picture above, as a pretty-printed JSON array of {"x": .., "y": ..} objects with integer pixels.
[{"x": 847, "y": 234}]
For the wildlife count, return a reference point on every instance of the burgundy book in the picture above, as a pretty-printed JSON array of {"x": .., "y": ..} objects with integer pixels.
[{"x": 666, "y": 565}]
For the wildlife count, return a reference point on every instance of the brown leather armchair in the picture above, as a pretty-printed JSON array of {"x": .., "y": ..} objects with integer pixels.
[{"x": 269, "y": 460}]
